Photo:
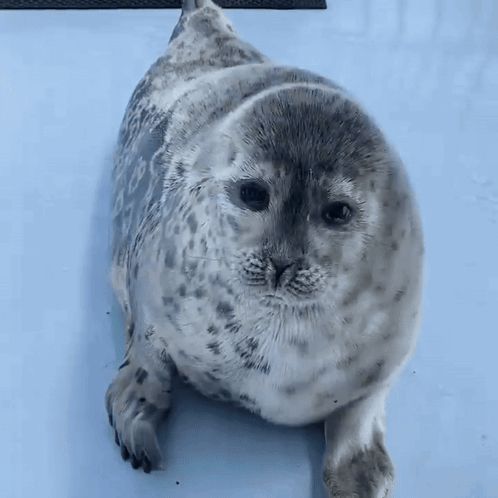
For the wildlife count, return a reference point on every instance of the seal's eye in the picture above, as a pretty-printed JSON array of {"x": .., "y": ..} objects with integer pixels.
[
  {"x": 337, "y": 214},
  {"x": 254, "y": 195}
]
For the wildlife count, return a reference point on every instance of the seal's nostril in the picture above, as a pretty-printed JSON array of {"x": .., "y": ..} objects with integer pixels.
[{"x": 280, "y": 265}]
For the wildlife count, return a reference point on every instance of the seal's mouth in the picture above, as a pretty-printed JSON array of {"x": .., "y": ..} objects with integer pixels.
[
  {"x": 275, "y": 301},
  {"x": 274, "y": 298},
  {"x": 284, "y": 304}
]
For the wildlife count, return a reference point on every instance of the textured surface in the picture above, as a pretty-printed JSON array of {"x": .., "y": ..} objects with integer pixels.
[
  {"x": 427, "y": 70},
  {"x": 157, "y": 4}
]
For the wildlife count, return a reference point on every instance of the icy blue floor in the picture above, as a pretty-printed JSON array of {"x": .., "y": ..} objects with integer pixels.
[{"x": 428, "y": 70}]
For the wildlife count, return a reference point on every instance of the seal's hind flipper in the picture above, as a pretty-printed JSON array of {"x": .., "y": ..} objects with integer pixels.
[
  {"x": 191, "y": 5},
  {"x": 214, "y": 14},
  {"x": 204, "y": 37}
]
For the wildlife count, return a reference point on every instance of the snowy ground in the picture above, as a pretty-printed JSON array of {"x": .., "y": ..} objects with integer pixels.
[{"x": 428, "y": 71}]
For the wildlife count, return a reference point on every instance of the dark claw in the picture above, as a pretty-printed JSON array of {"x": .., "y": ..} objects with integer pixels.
[
  {"x": 116, "y": 437},
  {"x": 135, "y": 463},
  {"x": 124, "y": 453},
  {"x": 110, "y": 420},
  {"x": 146, "y": 465}
]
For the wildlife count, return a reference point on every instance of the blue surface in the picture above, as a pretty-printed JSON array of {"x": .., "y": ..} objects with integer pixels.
[{"x": 428, "y": 70}]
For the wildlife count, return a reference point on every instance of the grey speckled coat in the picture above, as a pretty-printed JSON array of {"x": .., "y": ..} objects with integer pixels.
[{"x": 266, "y": 246}]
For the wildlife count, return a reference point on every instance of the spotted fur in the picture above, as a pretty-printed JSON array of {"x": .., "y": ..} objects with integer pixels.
[{"x": 195, "y": 270}]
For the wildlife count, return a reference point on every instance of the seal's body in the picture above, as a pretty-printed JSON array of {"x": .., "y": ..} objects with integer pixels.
[{"x": 266, "y": 246}]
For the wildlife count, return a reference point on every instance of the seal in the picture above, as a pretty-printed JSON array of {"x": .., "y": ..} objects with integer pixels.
[{"x": 267, "y": 246}]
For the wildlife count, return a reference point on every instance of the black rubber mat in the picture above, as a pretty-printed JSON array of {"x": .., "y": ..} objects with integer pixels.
[{"x": 158, "y": 4}]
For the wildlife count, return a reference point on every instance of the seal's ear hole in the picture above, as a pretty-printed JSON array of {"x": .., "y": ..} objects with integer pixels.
[
  {"x": 337, "y": 214},
  {"x": 254, "y": 195}
]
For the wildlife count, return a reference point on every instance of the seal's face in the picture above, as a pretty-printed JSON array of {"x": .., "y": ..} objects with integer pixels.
[{"x": 298, "y": 195}]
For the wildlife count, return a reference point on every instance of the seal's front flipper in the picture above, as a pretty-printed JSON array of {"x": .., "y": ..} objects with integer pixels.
[
  {"x": 137, "y": 402},
  {"x": 356, "y": 459}
]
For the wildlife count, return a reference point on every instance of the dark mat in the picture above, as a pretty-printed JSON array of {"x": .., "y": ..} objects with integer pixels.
[{"x": 158, "y": 4}]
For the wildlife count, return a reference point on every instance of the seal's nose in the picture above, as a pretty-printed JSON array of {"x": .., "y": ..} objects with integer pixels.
[{"x": 280, "y": 266}]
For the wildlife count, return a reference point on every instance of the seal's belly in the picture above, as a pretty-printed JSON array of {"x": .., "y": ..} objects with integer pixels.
[
  {"x": 269, "y": 366},
  {"x": 304, "y": 395}
]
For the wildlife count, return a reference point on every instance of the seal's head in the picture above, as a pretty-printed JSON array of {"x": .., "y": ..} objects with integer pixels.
[{"x": 300, "y": 176}]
